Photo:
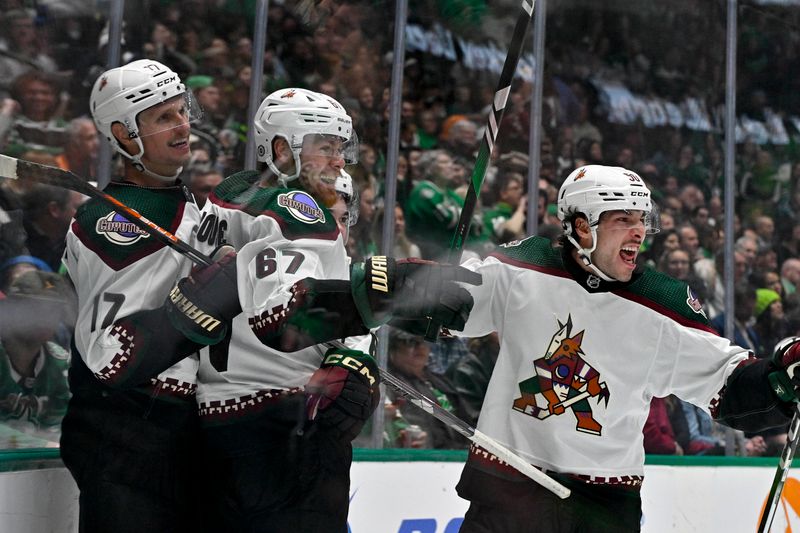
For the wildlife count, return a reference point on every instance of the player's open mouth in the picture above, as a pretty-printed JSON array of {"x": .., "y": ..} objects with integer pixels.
[
  {"x": 628, "y": 255},
  {"x": 183, "y": 143}
]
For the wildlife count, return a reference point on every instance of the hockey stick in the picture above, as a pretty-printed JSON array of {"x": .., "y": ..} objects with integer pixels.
[
  {"x": 781, "y": 473},
  {"x": 472, "y": 434},
  {"x": 17, "y": 169},
  {"x": 12, "y": 168},
  {"x": 485, "y": 151}
]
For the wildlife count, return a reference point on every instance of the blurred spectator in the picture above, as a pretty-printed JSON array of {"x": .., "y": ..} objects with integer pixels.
[
  {"x": 37, "y": 132},
  {"x": 663, "y": 242},
  {"x": 203, "y": 181},
  {"x": 771, "y": 323},
  {"x": 21, "y": 50},
  {"x": 702, "y": 436},
  {"x": 744, "y": 335},
  {"x": 362, "y": 244},
  {"x": 207, "y": 128},
  {"x": 433, "y": 209},
  {"x": 47, "y": 216},
  {"x": 505, "y": 221},
  {"x": 403, "y": 247},
  {"x": 81, "y": 149},
  {"x": 789, "y": 245},
  {"x": 711, "y": 273},
  {"x": 427, "y": 133},
  {"x": 163, "y": 47},
  {"x": 677, "y": 264},
  {"x": 790, "y": 275},
  {"x": 460, "y": 137},
  {"x": 659, "y": 435},
  {"x": 33, "y": 366},
  {"x": 690, "y": 241},
  {"x": 764, "y": 227},
  {"x": 408, "y": 359}
]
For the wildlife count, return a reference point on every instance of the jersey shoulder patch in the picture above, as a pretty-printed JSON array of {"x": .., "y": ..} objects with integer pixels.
[
  {"x": 115, "y": 239},
  {"x": 298, "y": 214},
  {"x": 667, "y": 292},
  {"x": 533, "y": 252}
]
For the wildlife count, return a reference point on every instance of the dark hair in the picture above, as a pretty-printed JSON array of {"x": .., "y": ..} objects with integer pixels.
[{"x": 20, "y": 83}]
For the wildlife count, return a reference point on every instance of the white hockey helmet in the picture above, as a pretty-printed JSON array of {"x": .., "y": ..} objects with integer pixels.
[
  {"x": 294, "y": 113},
  {"x": 347, "y": 190},
  {"x": 121, "y": 93},
  {"x": 592, "y": 190}
]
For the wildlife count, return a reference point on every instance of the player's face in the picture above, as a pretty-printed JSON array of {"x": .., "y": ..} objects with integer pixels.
[
  {"x": 164, "y": 130},
  {"x": 341, "y": 216},
  {"x": 619, "y": 237},
  {"x": 321, "y": 159}
]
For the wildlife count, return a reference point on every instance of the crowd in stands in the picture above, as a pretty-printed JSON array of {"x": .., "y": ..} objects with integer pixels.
[{"x": 50, "y": 56}]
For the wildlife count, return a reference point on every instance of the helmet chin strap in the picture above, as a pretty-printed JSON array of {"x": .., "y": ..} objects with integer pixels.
[
  {"x": 284, "y": 179},
  {"x": 136, "y": 161},
  {"x": 585, "y": 255}
]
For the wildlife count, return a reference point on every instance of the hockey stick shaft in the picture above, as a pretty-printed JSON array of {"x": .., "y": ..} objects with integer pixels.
[
  {"x": 17, "y": 169},
  {"x": 487, "y": 144},
  {"x": 475, "y": 436},
  {"x": 781, "y": 473}
]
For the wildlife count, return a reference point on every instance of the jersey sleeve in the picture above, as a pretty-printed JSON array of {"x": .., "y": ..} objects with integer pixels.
[{"x": 489, "y": 297}]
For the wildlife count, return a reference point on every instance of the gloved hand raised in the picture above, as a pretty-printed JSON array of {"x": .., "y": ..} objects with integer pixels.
[
  {"x": 343, "y": 393},
  {"x": 786, "y": 381},
  {"x": 202, "y": 304},
  {"x": 384, "y": 288}
]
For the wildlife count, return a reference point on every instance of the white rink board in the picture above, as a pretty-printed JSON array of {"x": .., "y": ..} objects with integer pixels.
[{"x": 419, "y": 497}]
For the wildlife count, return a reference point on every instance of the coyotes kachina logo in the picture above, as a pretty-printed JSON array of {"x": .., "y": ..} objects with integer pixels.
[{"x": 563, "y": 380}]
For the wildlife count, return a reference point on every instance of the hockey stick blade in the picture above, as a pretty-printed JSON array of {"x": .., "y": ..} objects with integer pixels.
[
  {"x": 18, "y": 169},
  {"x": 781, "y": 473},
  {"x": 490, "y": 135},
  {"x": 475, "y": 436}
]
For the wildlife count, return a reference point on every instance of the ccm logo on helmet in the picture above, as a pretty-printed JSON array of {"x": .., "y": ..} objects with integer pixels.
[
  {"x": 350, "y": 363},
  {"x": 639, "y": 193},
  {"x": 166, "y": 81}
]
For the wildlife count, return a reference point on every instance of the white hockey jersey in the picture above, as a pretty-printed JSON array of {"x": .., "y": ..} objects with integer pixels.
[
  {"x": 282, "y": 236},
  {"x": 580, "y": 359},
  {"x": 119, "y": 269}
]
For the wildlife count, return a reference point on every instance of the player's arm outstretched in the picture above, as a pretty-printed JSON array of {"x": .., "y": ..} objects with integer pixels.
[
  {"x": 292, "y": 301},
  {"x": 761, "y": 393}
]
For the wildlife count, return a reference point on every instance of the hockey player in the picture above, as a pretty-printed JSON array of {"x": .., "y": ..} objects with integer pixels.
[
  {"x": 131, "y": 428},
  {"x": 587, "y": 341},
  {"x": 279, "y": 408}
]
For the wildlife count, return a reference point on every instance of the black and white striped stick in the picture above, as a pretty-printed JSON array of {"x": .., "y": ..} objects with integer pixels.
[
  {"x": 781, "y": 473},
  {"x": 489, "y": 137}
]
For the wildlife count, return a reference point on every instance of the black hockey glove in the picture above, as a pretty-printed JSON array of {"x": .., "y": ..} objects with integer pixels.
[
  {"x": 343, "y": 393},
  {"x": 412, "y": 289},
  {"x": 202, "y": 305},
  {"x": 785, "y": 381}
]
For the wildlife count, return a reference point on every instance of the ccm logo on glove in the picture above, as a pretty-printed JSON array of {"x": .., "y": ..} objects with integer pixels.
[{"x": 351, "y": 363}]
